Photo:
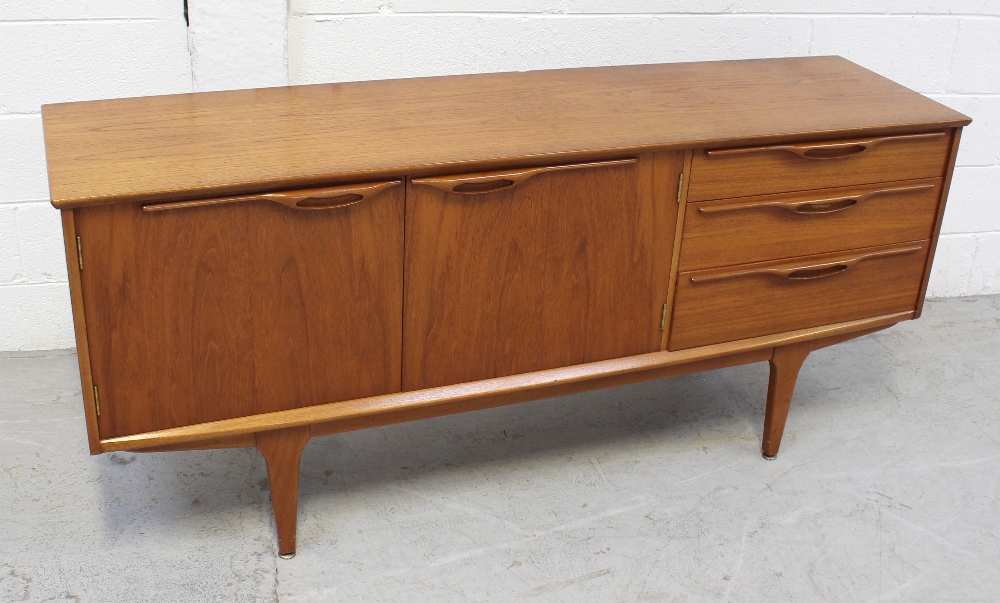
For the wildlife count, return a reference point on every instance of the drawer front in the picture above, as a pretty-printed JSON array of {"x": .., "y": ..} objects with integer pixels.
[
  {"x": 771, "y": 227},
  {"x": 741, "y": 172},
  {"x": 728, "y": 304}
]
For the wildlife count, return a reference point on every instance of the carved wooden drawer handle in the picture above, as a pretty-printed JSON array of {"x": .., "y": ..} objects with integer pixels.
[
  {"x": 806, "y": 272},
  {"x": 330, "y": 197},
  {"x": 824, "y": 150},
  {"x": 488, "y": 182},
  {"x": 814, "y": 207}
]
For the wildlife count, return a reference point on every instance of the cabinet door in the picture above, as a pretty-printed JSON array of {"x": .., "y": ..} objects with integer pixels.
[
  {"x": 522, "y": 270},
  {"x": 201, "y": 313}
]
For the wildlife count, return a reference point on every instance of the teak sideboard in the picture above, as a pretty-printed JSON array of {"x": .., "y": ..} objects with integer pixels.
[{"x": 258, "y": 267}]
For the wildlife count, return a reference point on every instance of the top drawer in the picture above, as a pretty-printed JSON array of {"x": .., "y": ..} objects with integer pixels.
[{"x": 739, "y": 172}]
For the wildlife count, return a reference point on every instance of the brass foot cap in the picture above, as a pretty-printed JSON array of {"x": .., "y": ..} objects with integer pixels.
[
  {"x": 768, "y": 457},
  {"x": 286, "y": 555}
]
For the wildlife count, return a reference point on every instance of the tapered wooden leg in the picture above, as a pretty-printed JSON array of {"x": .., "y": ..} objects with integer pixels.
[
  {"x": 282, "y": 450},
  {"x": 785, "y": 365}
]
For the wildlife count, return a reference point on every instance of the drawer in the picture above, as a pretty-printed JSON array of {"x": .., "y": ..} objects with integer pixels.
[
  {"x": 757, "y": 229},
  {"x": 741, "y": 172},
  {"x": 728, "y": 304}
]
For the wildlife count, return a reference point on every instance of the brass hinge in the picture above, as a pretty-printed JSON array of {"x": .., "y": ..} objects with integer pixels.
[
  {"x": 79, "y": 253},
  {"x": 663, "y": 318},
  {"x": 680, "y": 187},
  {"x": 97, "y": 401}
]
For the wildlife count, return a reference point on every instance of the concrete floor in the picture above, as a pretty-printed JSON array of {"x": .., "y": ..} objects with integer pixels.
[{"x": 886, "y": 489}]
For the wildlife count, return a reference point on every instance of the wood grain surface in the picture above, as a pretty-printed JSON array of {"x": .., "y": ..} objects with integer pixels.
[
  {"x": 566, "y": 267},
  {"x": 282, "y": 451},
  {"x": 770, "y": 169},
  {"x": 784, "y": 368},
  {"x": 771, "y": 227},
  {"x": 234, "y": 142},
  {"x": 675, "y": 254},
  {"x": 936, "y": 232},
  {"x": 80, "y": 329},
  {"x": 223, "y": 311},
  {"x": 750, "y": 300}
]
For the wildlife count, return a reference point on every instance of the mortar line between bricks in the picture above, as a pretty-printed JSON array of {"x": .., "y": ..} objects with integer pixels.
[
  {"x": 81, "y": 20},
  {"x": 501, "y": 15},
  {"x": 938, "y": 94},
  {"x": 970, "y": 234},
  {"x": 954, "y": 54},
  {"x": 17, "y": 241},
  {"x": 23, "y": 202},
  {"x": 42, "y": 284}
]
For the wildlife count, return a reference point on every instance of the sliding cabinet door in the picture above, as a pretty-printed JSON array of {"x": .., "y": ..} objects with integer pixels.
[
  {"x": 527, "y": 269},
  {"x": 215, "y": 309}
]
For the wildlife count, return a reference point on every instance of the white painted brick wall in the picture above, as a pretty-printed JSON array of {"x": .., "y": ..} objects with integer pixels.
[
  {"x": 56, "y": 51},
  {"x": 238, "y": 44},
  {"x": 75, "y": 10},
  {"x": 379, "y": 46},
  {"x": 59, "y": 50},
  {"x": 976, "y": 59},
  {"x": 22, "y": 157},
  {"x": 69, "y": 61},
  {"x": 920, "y": 46}
]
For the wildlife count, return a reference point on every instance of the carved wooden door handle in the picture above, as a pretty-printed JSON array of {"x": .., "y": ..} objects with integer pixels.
[
  {"x": 488, "y": 182},
  {"x": 806, "y": 272},
  {"x": 814, "y": 207},
  {"x": 330, "y": 197},
  {"x": 823, "y": 150}
]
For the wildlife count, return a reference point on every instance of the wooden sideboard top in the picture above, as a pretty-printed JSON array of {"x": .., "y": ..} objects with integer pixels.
[{"x": 222, "y": 143}]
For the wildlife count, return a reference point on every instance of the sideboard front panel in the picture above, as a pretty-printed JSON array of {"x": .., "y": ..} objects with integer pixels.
[
  {"x": 565, "y": 267},
  {"x": 207, "y": 313}
]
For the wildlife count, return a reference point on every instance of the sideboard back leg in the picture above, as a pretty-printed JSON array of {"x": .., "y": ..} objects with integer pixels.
[
  {"x": 785, "y": 364},
  {"x": 282, "y": 450}
]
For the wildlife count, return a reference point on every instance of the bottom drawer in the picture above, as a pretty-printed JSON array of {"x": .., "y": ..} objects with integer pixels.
[{"x": 727, "y": 304}]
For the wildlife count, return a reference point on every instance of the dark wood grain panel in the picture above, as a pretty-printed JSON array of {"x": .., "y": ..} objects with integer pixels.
[
  {"x": 217, "y": 312},
  {"x": 771, "y": 227},
  {"x": 565, "y": 268},
  {"x": 759, "y": 170},
  {"x": 752, "y": 300},
  {"x": 239, "y": 141}
]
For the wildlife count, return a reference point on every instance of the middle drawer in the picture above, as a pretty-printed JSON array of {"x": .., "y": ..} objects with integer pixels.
[{"x": 769, "y": 227}]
